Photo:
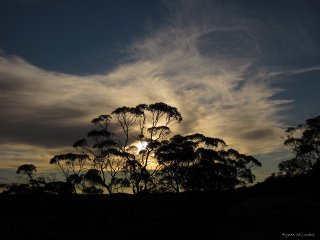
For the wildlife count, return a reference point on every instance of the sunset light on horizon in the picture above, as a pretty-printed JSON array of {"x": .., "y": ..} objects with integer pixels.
[{"x": 242, "y": 71}]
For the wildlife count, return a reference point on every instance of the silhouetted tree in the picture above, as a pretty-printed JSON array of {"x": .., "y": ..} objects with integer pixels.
[
  {"x": 28, "y": 171},
  {"x": 304, "y": 140},
  {"x": 109, "y": 158},
  {"x": 33, "y": 184},
  {"x": 59, "y": 187},
  {"x": 72, "y": 166},
  {"x": 19, "y": 189},
  {"x": 70, "y": 163},
  {"x": 110, "y": 148},
  {"x": 92, "y": 182},
  {"x": 104, "y": 153},
  {"x": 4, "y": 187},
  {"x": 148, "y": 124},
  {"x": 92, "y": 190},
  {"x": 199, "y": 163},
  {"x": 175, "y": 157}
]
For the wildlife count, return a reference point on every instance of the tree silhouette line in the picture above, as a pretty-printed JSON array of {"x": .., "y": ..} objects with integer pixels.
[
  {"x": 108, "y": 159},
  {"x": 304, "y": 142}
]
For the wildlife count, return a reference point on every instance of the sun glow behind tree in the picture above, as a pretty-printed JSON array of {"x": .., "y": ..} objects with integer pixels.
[{"x": 141, "y": 146}]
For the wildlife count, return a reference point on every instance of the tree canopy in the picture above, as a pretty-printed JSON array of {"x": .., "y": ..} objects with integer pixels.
[
  {"x": 304, "y": 141},
  {"x": 199, "y": 163},
  {"x": 108, "y": 158}
]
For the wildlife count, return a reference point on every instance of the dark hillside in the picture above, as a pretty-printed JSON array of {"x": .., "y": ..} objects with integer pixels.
[{"x": 260, "y": 212}]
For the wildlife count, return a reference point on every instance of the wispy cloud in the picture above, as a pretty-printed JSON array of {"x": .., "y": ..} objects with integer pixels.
[
  {"x": 201, "y": 63},
  {"x": 294, "y": 71}
]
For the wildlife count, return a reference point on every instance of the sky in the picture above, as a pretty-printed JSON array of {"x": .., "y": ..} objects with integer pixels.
[{"x": 242, "y": 71}]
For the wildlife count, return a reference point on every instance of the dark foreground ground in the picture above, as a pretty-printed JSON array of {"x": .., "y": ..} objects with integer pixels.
[{"x": 254, "y": 213}]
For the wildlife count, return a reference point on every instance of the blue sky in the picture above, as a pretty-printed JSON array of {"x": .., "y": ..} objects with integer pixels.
[
  {"x": 91, "y": 37},
  {"x": 239, "y": 70}
]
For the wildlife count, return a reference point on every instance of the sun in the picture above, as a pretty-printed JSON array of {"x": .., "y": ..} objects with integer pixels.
[{"x": 141, "y": 145}]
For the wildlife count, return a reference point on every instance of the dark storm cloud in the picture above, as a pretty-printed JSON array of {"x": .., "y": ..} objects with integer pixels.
[
  {"x": 41, "y": 134},
  {"x": 260, "y": 134},
  {"x": 43, "y": 108}
]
